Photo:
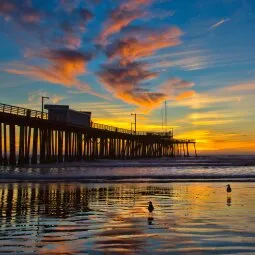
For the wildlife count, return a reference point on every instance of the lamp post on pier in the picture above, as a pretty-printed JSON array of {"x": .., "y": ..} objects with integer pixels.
[
  {"x": 43, "y": 104},
  {"x": 133, "y": 114}
]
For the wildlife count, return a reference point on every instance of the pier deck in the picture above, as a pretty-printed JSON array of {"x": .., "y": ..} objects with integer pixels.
[{"x": 29, "y": 137}]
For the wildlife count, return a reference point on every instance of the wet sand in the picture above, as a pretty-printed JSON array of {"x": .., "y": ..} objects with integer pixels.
[{"x": 76, "y": 218}]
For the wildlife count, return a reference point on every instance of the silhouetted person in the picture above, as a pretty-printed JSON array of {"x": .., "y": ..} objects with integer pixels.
[
  {"x": 228, "y": 188},
  {"x": 150, "y": 207}
]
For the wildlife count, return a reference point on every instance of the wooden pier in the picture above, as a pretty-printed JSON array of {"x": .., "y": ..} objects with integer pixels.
[{"x": 29, "y": 137}]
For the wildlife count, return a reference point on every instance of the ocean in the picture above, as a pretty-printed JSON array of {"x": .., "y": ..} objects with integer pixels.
[{"x": 149, "y": 170}]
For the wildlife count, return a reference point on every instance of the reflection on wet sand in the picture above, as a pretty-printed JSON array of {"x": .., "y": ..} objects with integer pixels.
[
  {"x": 150, "y": 220},
  {"x": 229, "y": 200},
  {"x": 114, "y": 218}
]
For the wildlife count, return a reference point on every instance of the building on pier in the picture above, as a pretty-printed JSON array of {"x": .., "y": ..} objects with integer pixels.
[{"x": 63, "y": 113}]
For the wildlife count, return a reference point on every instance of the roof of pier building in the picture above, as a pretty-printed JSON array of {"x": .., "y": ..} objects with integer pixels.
[{"x": 65, "y": 114}]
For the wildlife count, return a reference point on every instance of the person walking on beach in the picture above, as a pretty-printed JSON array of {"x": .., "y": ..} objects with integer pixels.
[
  {"x": 150, "y": 207},
  {"x": 229, "y": 189}
]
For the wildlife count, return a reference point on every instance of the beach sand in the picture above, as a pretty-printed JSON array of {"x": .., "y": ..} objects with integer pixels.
[{"x": 78, "y": 218}]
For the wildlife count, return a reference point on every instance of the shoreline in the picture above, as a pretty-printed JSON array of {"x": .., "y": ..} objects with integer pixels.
[
  {"x": 219, "y": 168},
  {"x": 124, "y": 179},
  {"x": 206, "y": 161},
  {"x": 102, "y": 181}
]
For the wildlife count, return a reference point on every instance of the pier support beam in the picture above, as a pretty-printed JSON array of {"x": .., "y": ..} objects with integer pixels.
[
  {"x": 12, "y": 158},
  {"x": 35, "y": 146},
  {"x": 1, "y": 142}
]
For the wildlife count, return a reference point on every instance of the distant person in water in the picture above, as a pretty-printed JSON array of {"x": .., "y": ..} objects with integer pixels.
[
  {"x": 228, "y": 188},
  {"x": 150, "y": 207}
]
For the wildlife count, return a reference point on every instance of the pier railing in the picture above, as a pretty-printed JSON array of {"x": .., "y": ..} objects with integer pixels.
[
  {"x": 115, "y": 129},
  {"x": 128, "y": 131},
  {"x": 20, "y": 111}
]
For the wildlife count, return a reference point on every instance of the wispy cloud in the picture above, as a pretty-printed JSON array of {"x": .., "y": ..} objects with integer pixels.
[
  {"x": 35, "y": 97},
  {"x": 208, "y": 99},
  {"x": 122, "y": 16},
  {"x": 220, "y": 114},
  {"x": 219, "y": 23},
  {"x": 199, "y": 59},
  {"x": 189, "y": 60},
  {"x": 243, "y": 87},
  {"x": 188, "y": 63},
  {"x": 231, "y": 96},
  {"x": 138, "y": 46},
  {"x": 177, "y": 89},
  {"x": 220, "y": 117},
  {"x": 62, "y": 67},
  {"x": 185, "y": 95},
  {"x": 181, "y": 54}
]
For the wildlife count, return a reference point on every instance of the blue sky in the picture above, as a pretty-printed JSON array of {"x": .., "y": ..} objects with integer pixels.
[{"x": 115, "y": 57}]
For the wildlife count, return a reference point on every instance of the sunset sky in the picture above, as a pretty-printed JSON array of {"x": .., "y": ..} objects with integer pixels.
[{"x": 115, "y": 57}]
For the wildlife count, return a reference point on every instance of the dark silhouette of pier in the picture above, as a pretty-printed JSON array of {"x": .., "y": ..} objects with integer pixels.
[{"x": 30, "y": 137}]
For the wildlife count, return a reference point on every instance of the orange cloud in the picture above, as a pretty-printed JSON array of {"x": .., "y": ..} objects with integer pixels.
[
  {"x": 175, "y": 88},
  {"x": 64, "y": 66},
  {"x": 119, "y": 20},
  {"x": 133, "y": 4},
  {"x": 132, "y": 48},
  {"x": 176, "y": 83},
  {"x": 225, "y": 114},
  {"x": 122, "y": 16},
  {"x": 124, "y": 83},
  {"x": 149, "y": 100},
  {"x": 212, "y": 122},
  {"x": 186, "y": 94}
]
